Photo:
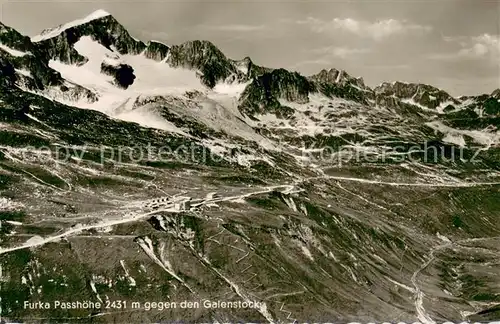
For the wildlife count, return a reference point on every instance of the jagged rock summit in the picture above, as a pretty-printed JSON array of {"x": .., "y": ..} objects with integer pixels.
[{"x": 417, "y": 93}]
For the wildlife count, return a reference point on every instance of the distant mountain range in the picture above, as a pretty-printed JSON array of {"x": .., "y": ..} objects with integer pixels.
[{"x": 212, "y": 65}]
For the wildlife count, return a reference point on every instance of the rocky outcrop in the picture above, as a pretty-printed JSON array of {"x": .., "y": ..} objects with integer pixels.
[
  {"x": 205, "y": 57},
  {"x": 338, "y": 83},
  {"x": 22, "y": 54},
  {"x": 491, "y": 106},
  {"x": 156, "y": 51},
  {"x": 340, "y": 77},
  {"x": 74, "y": 92},
  {"x": 123, "y": 74},
  {"x": 249, "y": 69},
  {"x": 488, "y": 104},
  {"x": 389, "y": 102},
  {"x": 7, "y": 73},
  {"x": 13, "y": 39},
  {"x": 265, "y": 91},
  {"x": 496, "y": 94},
  {"x": 41, "y": 72},
  {"x": 485, "y": 104}
]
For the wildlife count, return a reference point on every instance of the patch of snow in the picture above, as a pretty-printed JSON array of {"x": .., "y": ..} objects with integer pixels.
[
  {"x": 414, "y": 103},
  {"x": 92, "y": 285},
  {"x": 353, "y": 276},
  {"x": 454, "y": 139},
  {"x": 443, "y": 238},
  {"x": 14, "y": 223},
  {"x": 291, "y": 203},
  {"x": 487, "y": 137},
  {"x": 247, "y": 159},
  {"x": 35, "y": 240},
  {"x": 443, "y": 105},
  {"x": 157, "y": 41},
  {"x": 211, "y": 196},
  {"x": 216, "y": 147},
  {"x": 219, "y": 112},
  {"x": 7, "y": 204},
  {"x": 401, "y": 285},
  {"x": 161, "y": 221},
  {"x": 105, "y": 229},
  {"x": 129, "y": 277},
  {"x": 331, "y": 255},
  {"x": 339, "y": 76},
  {"x": 466, "y": 314},
  {"x": 305, "y": 251},
  {"x": 234, "y": 90},
  {"x": 12, "y": 51},
  {"x": 148, "y": 118},
  {"x": 210, "y": 205},
  {"x": 36, "y": 119},
  {"x": 154, "y": 77},
  {"x": 242, "y": 68},
  {"x": 24, "y": 72}
]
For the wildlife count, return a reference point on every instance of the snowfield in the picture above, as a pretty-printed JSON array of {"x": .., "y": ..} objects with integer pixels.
[{"x": 216, "y": 108}]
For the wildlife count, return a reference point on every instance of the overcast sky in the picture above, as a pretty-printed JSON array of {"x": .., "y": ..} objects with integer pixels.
[{"x": 452, "y": 44}]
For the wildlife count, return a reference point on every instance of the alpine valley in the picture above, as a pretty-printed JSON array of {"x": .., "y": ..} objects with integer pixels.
[{"x": 310, "y": 198}]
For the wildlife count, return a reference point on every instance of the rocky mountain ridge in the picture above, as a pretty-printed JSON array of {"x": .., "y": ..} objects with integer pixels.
[{"x": 214, "y": 67}]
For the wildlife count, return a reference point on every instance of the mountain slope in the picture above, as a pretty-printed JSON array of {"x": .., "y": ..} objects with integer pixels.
[{"x": 139, "y": 172}]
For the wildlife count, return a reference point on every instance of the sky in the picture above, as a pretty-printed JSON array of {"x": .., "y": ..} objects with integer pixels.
[{"x": 451, "y": 44}]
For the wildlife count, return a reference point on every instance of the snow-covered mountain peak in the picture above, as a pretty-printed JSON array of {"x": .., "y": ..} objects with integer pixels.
[
  {"x": 99, "y": 13},
  {"x": 53, "y": 32}
]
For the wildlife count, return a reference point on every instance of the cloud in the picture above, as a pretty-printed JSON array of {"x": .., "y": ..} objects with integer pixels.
[
  {"x": 233, "y": 28},
  {"x": 340, "y": 52},
  {"x": 490, "y": 42},
  {"x": 387, "y": 67},
  {"x": 375, "y": 30},
  {"x": 481, "y": 47},
  {"x": 320, "y": 61},
  {"x": 155, "y": 35}
]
